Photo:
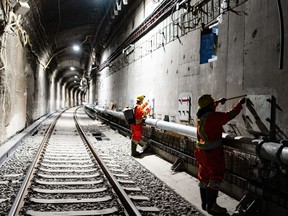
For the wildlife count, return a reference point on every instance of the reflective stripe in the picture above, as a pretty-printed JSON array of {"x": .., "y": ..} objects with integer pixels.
[
  {"x": 209, "y": 145},
  {"x": 201, "y": 124},
  {"x": 214, "y": 185},
  {"x": 202, "y": 185},
  {"x": 202, "y": 139},
  {"x": 138, "y": 121}
]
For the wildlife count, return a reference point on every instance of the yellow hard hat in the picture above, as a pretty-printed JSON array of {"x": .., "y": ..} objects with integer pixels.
[
  {"x": 140, "y": 97},
  {"x": 205, "y": 100}
]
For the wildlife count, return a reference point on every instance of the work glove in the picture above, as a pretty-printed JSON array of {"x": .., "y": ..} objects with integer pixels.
[
  {"x": 222, "y": 100},
  {"x": 242, "y": 100}
]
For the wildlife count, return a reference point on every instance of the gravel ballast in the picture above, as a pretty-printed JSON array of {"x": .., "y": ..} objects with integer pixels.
[{"x": 118, "y": 147}]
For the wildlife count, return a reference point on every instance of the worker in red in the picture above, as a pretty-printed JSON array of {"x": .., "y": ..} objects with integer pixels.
[
  {"x": 140, "y": 112},
  {"x": 209, "y": 151}
]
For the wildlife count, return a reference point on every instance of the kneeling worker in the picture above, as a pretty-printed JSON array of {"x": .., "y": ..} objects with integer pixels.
[{"x": 140, "y": 112}]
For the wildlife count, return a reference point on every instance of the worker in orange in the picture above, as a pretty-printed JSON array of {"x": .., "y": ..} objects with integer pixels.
[
  {"x": 140, "y": 112},
  {"x": 209, "y": 151}
]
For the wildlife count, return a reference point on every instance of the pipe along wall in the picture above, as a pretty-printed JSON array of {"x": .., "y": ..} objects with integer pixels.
[
  {"x": 254, "y": 166},
  {"x": 271, "y": 151}
]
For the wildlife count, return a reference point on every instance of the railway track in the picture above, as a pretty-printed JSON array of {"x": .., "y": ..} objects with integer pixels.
[{"x": 68, "y": 177}]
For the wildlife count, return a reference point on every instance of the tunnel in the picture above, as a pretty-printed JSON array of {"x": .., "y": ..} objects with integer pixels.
[{"x": 101, "y": 54}]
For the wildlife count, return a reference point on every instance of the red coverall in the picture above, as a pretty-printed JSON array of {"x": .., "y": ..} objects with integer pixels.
[
  {"x": 209, "y": 151},
  {"x": 140, "y": 111}
]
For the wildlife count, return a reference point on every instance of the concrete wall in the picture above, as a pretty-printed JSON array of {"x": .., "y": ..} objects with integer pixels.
[
  {"x": 248, "y": 52},
  {"x": 41, "y": 103}
]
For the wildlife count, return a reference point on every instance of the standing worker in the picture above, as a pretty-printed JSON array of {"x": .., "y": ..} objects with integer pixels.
[
  {"x": 209, "y": 151},
  {"x": 140, "y": 112}
]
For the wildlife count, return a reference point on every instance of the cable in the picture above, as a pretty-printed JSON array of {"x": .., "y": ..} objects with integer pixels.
[
  {"x": 4, "y": 12},
  {"x": 100, "y": 25},
  {"x": 58, "y": 25},
  {"x": 14, "y": 27}
]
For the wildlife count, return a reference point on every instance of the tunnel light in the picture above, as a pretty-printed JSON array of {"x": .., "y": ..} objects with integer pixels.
[
  {"x": 72, "y": 68},
  {"x": 75, "y": 77},
  {"x": 74, "y": 81},
  {"x": 76, "y": 48},
  {"x": 129, "y": 49}
]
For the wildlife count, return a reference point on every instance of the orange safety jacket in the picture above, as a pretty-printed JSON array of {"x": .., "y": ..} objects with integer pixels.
[
  {"x": 140, "y": 111},
  {"x": 209, "y": 127},
  {"x": 209, "y": 152}
]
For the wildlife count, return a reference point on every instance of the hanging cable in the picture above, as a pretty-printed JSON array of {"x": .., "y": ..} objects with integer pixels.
[
  {"x": 58, "y": 25},
  {"x": 281, "y": 23}
]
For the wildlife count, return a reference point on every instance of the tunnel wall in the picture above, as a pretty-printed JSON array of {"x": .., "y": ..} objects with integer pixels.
[
  {"x": 23, "y": 85},
  {"x": 247, "y": 63},
  {"x": 13, "y": 85}
]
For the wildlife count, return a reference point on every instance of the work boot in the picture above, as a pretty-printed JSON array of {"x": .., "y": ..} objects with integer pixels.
[
  {"x": 217, "y": 210},
  {"x": 139, "y": 149},
  {"x": 133, "y": 148},
  {"x": 143, "y": 145},
  {"x": 203, "y": 192},
  {"x": 212, "y": 206}
]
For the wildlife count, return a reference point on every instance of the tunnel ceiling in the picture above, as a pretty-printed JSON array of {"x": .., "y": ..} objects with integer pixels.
[{"x": 54, "y": 26}]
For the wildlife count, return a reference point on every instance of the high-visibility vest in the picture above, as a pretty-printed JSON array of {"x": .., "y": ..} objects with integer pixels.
[
  {"x": 140, "y": 111},
  {"x": 210, "y": 127}
]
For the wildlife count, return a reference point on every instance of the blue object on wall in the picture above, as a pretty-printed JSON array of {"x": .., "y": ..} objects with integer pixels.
[{"x": 206, "y": 47}]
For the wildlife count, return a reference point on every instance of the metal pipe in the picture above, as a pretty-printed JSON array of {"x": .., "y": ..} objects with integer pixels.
[
  {"x": 284, "y": 155},
  {"x": 272, "y": 151},
  {"x": 268, "y": 151},
  {"x": 164, "y": 125},
  {"x": 173, "y": 127}
]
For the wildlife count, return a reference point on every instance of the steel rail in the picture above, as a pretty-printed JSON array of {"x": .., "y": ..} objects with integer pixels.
[
  {"x": 124, "y": 198},
  {"x": 23, "y": 191}
]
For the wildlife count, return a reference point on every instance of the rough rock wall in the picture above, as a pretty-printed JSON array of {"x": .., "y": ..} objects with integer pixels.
[
  {"x": 18, "y": 87},
  {"x": 13, "y": 87},
  {"x": 5, "y": 102}
]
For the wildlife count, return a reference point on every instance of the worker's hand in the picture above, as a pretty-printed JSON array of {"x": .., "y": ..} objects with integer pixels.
[
  {"x": 242, "y": 100},
  {"x": 222, "y": 100},
  {"x": 144, "y": 118}
]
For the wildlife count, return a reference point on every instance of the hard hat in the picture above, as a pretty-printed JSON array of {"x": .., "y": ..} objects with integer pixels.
[
  {"x": 140, "y": 97},
  {"x": 205, "y": 100}
]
